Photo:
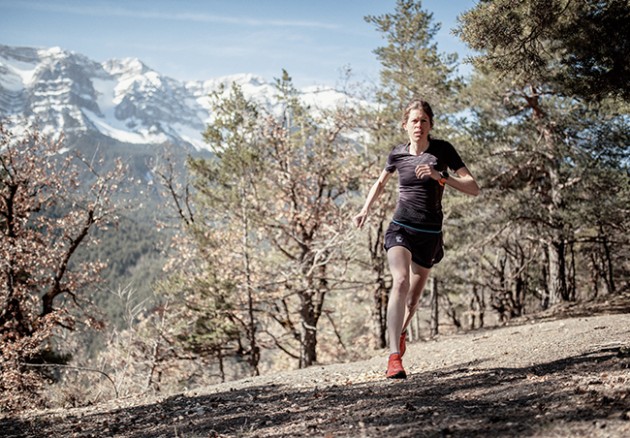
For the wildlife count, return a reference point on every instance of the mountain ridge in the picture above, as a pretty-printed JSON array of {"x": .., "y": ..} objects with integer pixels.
[{"x": 58, "y": 91}]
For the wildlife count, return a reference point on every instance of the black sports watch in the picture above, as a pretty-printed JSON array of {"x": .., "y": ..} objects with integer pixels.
[{"x": 443, "y": 177}]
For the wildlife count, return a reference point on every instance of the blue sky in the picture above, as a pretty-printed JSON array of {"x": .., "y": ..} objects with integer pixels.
[{"x": 196, "y": 40}]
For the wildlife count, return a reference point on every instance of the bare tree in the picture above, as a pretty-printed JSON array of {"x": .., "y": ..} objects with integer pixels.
[{"x": 45, "y": 217}]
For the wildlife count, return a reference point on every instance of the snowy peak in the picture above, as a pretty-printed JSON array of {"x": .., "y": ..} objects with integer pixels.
[
  {"x": 58, "y": 90},
  {"x": 20, "y": 71},
  {"x": 122, "y": 99},
  {"x": 125, "y": 67},
  {"x": 48, "y": 87}
]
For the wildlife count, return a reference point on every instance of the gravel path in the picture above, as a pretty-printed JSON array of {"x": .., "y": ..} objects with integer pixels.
[{"x": 560, "y": 376}]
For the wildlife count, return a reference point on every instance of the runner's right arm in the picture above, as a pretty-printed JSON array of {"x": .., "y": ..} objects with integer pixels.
[{"x": 372, "y": 196}]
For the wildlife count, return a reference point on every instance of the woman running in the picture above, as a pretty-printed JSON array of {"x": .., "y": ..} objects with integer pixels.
[{"x": 413, "y": 240}]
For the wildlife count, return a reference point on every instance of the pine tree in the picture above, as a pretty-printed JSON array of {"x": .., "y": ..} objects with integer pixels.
[{"x": 542, "y": 145}]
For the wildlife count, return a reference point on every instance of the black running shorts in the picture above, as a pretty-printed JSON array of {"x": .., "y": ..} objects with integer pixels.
[{"x": 426, "y": 248}]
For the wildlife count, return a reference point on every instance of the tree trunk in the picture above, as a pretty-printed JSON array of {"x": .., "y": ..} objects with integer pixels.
[
  {"x": 254, "y": 350},
  {"x": 479, "y": 306},
  {"x": 308, "y": 353},
  {"x": 557, "y": 271},
  {"x": 450, "y": 311},
  {"x": 594, "y": 271},
  {"x": 221, "y": 365},
  {"x": 434, "y": 308},
  {"x": 311, "y": 308},
  {"x": 555, "y": 245},
  {"x": 519, "y": 296},
  {"x": 379, "y": 315},
  {"x": 609, "y": 273},
  {"x": 571, "y": 274},
  {"x": 381, "y": 293}
]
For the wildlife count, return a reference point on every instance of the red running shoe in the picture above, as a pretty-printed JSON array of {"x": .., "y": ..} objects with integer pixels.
[
  {"x": 402, "y": 346},
  {"x": 395, "y": 369}
]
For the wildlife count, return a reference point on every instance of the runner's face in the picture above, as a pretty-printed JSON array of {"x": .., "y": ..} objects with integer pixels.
[{"x": 418, "y": 125}]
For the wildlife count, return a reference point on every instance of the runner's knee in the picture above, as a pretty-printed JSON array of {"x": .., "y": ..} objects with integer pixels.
[{"x": 400, "y": 284}]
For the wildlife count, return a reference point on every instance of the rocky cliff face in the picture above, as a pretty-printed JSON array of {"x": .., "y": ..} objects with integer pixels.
[
  {"x": 117, "y": 101},
  {"x": 124, "y": 100}
]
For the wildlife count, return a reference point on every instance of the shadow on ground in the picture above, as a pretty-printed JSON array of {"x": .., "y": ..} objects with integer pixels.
[{"x": 467, "y": 400}]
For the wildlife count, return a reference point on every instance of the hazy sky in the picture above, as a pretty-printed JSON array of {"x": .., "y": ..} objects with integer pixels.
[{"x": 195, "y": 39}]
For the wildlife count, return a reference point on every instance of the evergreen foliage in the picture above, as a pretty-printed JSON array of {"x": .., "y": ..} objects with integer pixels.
[
  {"x": 553, "y": 162},
  {"x": 576, "y": 48}
]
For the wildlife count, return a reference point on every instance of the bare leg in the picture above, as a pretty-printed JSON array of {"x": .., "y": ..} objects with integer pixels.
[
  {"x": 419, "y": 277},
  {"x": 399, "y": 262}
]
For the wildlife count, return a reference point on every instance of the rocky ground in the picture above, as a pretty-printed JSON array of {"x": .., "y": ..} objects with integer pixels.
[{"x": 561, "y": 374}]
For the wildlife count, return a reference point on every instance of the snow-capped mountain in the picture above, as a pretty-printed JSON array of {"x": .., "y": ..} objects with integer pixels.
[{"x": 121, "y": 100}]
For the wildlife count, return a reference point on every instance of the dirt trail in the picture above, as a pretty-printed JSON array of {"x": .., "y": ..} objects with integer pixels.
[{"x": 553, "y": 377}]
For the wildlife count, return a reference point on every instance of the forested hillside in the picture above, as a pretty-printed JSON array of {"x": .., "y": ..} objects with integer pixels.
[{"x": 135, "y": 251}]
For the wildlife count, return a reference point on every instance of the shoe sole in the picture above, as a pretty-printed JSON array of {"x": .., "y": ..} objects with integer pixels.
[{"x": 398, "y": 375}]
